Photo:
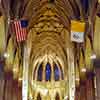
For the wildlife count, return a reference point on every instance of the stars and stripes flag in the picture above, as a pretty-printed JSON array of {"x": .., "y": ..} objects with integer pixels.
[{"x": 21, "y": 29}]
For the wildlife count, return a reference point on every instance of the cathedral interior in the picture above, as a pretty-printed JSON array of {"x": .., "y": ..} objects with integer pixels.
[{"x": 48, "y": 65}]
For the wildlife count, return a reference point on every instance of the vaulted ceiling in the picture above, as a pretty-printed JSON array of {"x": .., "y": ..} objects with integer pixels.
[{"x": 65, "y": 9}]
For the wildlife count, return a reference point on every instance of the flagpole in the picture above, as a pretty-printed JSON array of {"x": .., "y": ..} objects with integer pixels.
[
  {"x": 71, "y": 74},
  {"x": 25, "y": 75}
]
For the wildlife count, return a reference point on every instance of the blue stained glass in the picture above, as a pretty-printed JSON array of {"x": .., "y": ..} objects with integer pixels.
[
  {"x": 85, "y": 5},
  {"x": 48, "y": 72},
  {"x": 40, "y": 70},
  {"x": 56, "y": 72}
]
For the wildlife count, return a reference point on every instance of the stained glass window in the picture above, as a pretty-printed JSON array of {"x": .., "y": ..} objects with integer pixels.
[
  {"x": 85, "y": 5},
  {"x": 48, "y": 72},
  {"x": 40, "y": 72},
  {"x": 56, "y": 72}
]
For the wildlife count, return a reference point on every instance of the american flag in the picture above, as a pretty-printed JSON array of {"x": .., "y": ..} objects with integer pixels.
[{"x": 20, "y": 29}]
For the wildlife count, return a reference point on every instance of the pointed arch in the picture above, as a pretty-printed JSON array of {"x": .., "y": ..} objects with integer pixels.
[{"x": 34, "y": 73}]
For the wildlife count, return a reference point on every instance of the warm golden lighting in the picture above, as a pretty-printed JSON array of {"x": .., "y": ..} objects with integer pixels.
[
  {"x": 77, "y": 79},
  {"x": 83, "y": 70},
  {"x": 93, "y": 56},
  {"x": 6, "y": 55},
  {"x": 30, "y": 97},
  {"x": 15, "y": 70},
  {"x": 66, "y": 97},
  {"x": 50, "y": 64},
  {"x": 20, "y": 79}
]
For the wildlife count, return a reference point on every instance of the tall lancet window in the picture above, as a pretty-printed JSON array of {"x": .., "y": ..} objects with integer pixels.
[
  {"x": 48, "y": 72},
  {"x": 40, "y": 72},
  {"x": 85, "y": 5},
  {"x": 56, "y": 73}
]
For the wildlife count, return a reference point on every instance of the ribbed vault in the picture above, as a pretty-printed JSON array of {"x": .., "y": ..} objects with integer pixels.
[{"x": 48, "y": 37}]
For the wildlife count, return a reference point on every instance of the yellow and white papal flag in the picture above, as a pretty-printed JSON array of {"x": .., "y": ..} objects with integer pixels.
[{"x": 77, "y": 31}]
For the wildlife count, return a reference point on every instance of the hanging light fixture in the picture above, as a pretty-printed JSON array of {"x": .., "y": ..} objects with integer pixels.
[
  {"x": 6, "y": 55},
  {"x": 83, "y": 70},
  {"x": 93, "y": 56}
]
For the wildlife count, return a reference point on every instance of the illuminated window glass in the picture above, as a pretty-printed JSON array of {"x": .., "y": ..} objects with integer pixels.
[
  {"x": 56, "y": 72},
  {"x": 85, "y": 5},
  {"x": 48, "y": 72},
  {"x": 40, "y": 71}
]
